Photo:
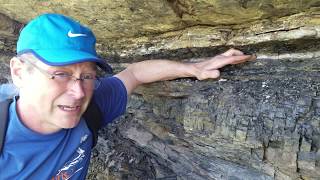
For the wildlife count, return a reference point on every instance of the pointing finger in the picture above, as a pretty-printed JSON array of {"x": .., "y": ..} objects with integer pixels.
[
  {"x": 233, "y": 60},
  {"x": 232, "y": 52}
]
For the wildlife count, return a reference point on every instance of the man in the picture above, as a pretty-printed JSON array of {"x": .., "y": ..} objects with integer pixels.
[{"x": 55, "y": 71}]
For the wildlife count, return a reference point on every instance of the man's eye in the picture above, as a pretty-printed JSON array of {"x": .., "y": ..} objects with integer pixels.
[
  {"x": 61, "y": 74},
  {"x": 87, "y": 76}
]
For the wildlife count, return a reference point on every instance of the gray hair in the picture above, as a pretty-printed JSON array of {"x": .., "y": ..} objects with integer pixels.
[{"x": 28, "y": 58}]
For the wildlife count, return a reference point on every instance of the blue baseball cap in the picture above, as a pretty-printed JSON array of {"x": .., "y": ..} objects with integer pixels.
[{"x": 58, "y": 40}]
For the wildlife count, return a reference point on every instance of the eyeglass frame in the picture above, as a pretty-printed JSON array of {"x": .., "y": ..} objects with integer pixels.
[{"x": 97, "y": 80}]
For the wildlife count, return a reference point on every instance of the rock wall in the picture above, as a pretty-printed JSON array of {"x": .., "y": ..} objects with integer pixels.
[{"x": 260, "y": 120}]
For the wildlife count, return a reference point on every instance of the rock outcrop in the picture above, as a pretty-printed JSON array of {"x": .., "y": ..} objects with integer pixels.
[{"x": 260, "y": 120}]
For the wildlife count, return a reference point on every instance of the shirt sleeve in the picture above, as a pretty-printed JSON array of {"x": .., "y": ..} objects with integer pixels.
[{"x": 111, "y": 98}]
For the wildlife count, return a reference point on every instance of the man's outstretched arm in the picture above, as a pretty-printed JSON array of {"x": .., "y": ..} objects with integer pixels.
[{"x": 159, "y": 70}]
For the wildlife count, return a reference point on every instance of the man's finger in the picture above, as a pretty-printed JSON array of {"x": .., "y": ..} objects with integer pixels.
[
  {"x": 248, "y": 58},
  {"x": 232, "y": 52},
  {"x": 233, "y": 60}
]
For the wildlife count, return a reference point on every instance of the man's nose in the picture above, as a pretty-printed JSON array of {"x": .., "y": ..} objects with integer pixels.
[{"x": 76, "y": 89}]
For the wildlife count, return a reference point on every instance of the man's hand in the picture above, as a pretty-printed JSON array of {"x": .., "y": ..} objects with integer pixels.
[
  {"x": 209, "y": 68},
  {"x": 158, "y": 70}
]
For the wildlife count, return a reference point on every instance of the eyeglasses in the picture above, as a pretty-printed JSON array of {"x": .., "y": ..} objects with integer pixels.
[{"x": 88, "y": 80}]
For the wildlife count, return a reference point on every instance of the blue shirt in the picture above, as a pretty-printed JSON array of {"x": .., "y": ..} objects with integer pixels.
[{"x": 61, "y": 155}]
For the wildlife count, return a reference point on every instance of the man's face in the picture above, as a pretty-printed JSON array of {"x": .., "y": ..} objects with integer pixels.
[{"x": 51, "y": 104}]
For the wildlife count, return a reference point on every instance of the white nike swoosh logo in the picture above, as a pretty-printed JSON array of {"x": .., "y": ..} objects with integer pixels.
[{"x": 70, "y": 34}]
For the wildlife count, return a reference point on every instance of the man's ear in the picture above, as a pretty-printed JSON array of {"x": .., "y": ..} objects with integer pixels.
[{"x": 16, "y": 69}]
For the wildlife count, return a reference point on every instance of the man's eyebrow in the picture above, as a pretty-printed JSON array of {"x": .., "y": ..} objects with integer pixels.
[{"x": 87, "y": 69}]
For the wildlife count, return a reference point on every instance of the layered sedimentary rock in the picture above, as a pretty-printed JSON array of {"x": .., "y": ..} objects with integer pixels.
[{"x": 260, "y": 120}]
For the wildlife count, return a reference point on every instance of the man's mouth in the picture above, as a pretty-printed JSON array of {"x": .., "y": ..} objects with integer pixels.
[{"x": 69, "y": 108}]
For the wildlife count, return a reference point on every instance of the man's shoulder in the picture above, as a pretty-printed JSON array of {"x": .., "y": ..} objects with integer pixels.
[
  {"x": 4, "y": 109},
  {"x": 8, "y": 91}
]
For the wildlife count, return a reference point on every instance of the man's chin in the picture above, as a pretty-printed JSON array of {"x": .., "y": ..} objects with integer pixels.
[
  {"x": 70, "y": 123},
  {"x": 69, "y": 127}
]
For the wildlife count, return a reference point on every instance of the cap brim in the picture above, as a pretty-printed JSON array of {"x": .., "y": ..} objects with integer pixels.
[{"x": 68, "y": 57}]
